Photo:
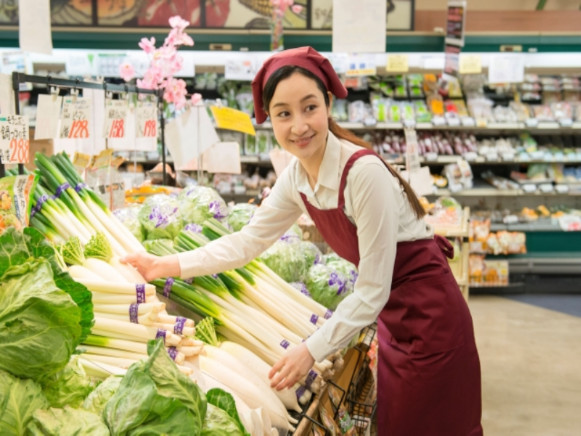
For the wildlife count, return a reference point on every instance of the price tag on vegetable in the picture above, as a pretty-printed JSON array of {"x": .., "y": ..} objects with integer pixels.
[
  {"x": 14, "y": 140},
  {"x": 115, "y": 115},
  {"x": 146, "y": 119},
  {"x": 75, "y": 117}
]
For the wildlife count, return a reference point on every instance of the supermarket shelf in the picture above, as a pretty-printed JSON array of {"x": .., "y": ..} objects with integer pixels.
[
  {"x": 540, "y": 225},
  {"x": 557, "y": 263},
  {"x": 541, "y": 127},
  {"x": 492, "y": 192}
]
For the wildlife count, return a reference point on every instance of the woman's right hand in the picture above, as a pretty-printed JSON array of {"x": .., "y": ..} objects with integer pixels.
[{"x": 153, "y": 267}]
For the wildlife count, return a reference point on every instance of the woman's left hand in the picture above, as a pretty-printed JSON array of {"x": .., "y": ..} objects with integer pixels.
[{"x": 295, "y": 364}]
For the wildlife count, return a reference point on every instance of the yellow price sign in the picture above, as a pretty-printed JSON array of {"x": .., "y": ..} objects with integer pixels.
[
  {"x": 232, "y": 119},
  {"x": 470, "y": 64},
  {"x": 397, "y": 63}
]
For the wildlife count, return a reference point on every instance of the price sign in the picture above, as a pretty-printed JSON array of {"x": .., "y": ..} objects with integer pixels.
[
  {"x": 115, "y": 115},
  {"x": 14, "y": 140},
  {"x": 397, "y": 63},
  {"x": 146, "y": 119},
  {"x": 75, "y": 117}
]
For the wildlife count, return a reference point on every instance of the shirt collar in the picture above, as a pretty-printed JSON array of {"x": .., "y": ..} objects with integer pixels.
[{"x": 330, "y": 170}]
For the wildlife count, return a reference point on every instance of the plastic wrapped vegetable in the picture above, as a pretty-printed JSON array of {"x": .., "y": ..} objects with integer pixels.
[
  {"x": 346, "y": 268},
  {"x": 160, "y": 217},
  {"x": 286, "y": 257},
  {"x": 240, "y": 215},
  {"x": 326, "y": 285},
  {"x": 311, "y": 252},
  {"x": 129, "y": 216},
  {"x": 198, "y": 203}
]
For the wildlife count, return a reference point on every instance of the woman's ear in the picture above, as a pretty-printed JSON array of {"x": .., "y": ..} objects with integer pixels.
[{"x": 331, "y": 96}]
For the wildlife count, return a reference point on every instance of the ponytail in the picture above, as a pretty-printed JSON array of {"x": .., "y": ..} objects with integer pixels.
[{"x": 347, "y": 135}]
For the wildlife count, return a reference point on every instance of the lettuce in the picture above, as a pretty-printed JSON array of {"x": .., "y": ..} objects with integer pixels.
[
  {"x": 39, "y": 323},
  {"x": 19, "y": 399},
  {"x": 219, "y": 423},
  {"x": 154, "y": 397},
  {"x": 290, "y": 257},
  {"x": 66, "y": 422},
  {"x": 160, "y": 217},
  {"x": 326, "y": 285},
  {"x": 240, "y": 214},
  {"x": 199, "y": 203}
]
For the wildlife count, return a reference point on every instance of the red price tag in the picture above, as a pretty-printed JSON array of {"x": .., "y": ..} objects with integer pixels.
[
  {"x": 79, "y": 129},
  {"x": 19, "y": 149},
  {"x": 150, "y": 129},
  {"x": 117, "y": 128}
]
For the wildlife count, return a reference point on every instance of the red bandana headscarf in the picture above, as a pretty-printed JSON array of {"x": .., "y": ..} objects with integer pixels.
[{"x": 305, "y": 57}]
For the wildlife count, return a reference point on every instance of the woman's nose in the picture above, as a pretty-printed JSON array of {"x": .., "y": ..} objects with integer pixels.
[{"x": 299, "y": 125}]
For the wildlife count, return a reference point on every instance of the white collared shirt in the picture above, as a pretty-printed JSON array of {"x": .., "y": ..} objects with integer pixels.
[{"x": 374, "y": 201}]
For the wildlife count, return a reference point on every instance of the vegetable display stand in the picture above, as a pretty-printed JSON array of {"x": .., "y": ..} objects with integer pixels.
[
  {"x": 349, "y": 398},
  {"x": 459, "y": 264}
]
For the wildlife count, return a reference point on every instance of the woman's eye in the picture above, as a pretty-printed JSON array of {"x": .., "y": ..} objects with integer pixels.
[
  {"x": 311, "y": 107},
  {"x": 282, "y": 114}
]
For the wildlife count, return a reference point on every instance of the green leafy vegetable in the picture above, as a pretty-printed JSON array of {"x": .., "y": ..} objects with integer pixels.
[
  {"x": 156, "y": 398},
  {"x": 17, "y": 247},
  {"x": 98, "y": 398},
  {"x": 66, "y": 422},
  {"x": 19, "y": 399},
  {"x": 240, "y": 215},
  {"x": 72, "y": 251},
  {"x": 99, "y": 247},
  {"x": 225, "y": 401},
  {"x": 69, "y": 386},
  {"x": 160, "y": 217},
  {"x": 199, "y": 203},
  {"x": 39, "y": 323},
  {"x": 219, "y": 423},
  {"x": 290, "y": 257},
  {"x": 326, "y": 285}
]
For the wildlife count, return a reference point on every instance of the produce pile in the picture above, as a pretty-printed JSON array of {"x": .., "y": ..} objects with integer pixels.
[{"x": 110, "y": 359}]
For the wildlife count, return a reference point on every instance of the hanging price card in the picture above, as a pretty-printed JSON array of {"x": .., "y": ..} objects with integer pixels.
[
  {"x": 146, "y": 120},
  {"x": 75, "y": 117},
  {"x": 14, "y": 142},
  {"x": 115, "y": 115}
]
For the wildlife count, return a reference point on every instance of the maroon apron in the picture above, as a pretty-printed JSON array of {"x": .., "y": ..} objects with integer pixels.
[{"x": 428, "y": 366}]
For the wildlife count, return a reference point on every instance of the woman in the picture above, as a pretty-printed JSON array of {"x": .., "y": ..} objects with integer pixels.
[{"x": 428, "y": 371}]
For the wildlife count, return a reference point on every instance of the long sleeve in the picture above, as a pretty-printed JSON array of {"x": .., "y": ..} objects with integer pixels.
[{"x": 276, "y": 215}]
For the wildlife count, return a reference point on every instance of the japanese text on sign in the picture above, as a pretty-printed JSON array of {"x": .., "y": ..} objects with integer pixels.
[
  {"x": 75, "y": 117},
  {"x": 14, "y": 139},
  {"x": 146, "y": 118},
  {"x": 115, "y": 115}
]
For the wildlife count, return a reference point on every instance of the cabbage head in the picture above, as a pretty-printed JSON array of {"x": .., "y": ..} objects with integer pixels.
[{"x": 346, "y": 268}]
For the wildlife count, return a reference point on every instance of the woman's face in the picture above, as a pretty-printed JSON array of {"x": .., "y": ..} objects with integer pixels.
[{"x": 299, "y": 117}]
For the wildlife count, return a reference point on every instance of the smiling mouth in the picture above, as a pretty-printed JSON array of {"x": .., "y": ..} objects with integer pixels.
[{"x": 303, "y": 140}]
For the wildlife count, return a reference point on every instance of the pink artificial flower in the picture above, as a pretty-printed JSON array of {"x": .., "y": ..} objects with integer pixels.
[
  {"x": 196, "y": 98},
  {"x": 126, "y": 71},
  {"x": 147, "y": 45},
  {"x": 297, "y": 9},
  {"x": 175, "y": 92},
  {"x": 177, "y": 22}
]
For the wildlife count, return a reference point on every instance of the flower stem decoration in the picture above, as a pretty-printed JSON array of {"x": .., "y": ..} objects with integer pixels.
[
  {"x": 279, "y": 7},
  {"x": 165, "y": 62}
]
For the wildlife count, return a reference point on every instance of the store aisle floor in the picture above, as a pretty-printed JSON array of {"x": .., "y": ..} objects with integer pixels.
[{"x": 531, "y": 368}]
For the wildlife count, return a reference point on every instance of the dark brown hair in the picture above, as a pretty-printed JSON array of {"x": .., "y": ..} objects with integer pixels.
[{"x": 284, "y": 73}]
